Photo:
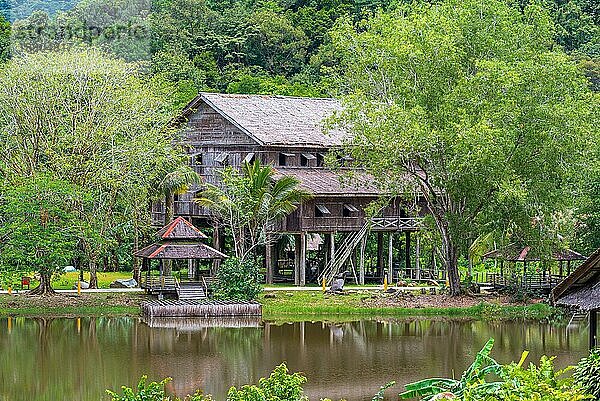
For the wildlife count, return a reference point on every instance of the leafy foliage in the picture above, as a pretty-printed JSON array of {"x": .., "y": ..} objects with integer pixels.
[
  {"x": 5, "y": 30},
  {"x": 238, "y": 279},
  {"x": 153, "y": 391},
  {"x": 251, "y": 202},
  {"x": 587, "y": 373},
  {"x": 279, "y": 386},
  {"x": 464, "y": 113}
]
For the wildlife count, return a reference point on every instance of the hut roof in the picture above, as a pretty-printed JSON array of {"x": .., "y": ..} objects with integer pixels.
[
  {"x": 326, "y": 182},
  {"x": 514, "y": 253},
  {"x": 180, "y": 228},
  {"x": 275, "y": 120},
  {"x": 582, "y": 288},
  {"x": 179, "y": 250}
]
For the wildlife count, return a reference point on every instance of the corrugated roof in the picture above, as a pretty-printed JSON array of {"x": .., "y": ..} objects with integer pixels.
[
  {"x": 276, "y": 120},
  {"x": 327, "y": 182}
]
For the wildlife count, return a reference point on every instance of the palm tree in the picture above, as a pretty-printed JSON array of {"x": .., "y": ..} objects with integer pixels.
[
  {"x": 175, "y": 182},
  {"x": 251, "y": 202}
]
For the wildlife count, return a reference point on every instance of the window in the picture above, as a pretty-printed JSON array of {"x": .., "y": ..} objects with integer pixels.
[
  {"x": 283, "y": 158},
  {"x": 349, "y": 210},
  {"x": 305, "y": 159},
  {"x": 345, "y": 160},
  {"x": 320, "y": 160},
  {"x": 249, "y": 158},
  {"x": 222, "y": 158},
  {"x": 321, "y": 211},
  {"x": 197, "y": 159}
]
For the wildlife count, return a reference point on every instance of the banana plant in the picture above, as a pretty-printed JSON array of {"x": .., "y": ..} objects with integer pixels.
[{"x": 472, "y": 379}]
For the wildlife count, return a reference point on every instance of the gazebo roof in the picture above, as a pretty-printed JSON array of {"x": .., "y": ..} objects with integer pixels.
[
  {"x": 513, "y": 253},
  {"x": 180, "y": 228},
  {"x": 179, "y": 250},
  {"x": 582, "y": 288}
]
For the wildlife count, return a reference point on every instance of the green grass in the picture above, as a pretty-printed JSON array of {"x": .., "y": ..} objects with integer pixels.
[
  {"x": 316, "y": 306},
  {"x": 67, "y": 280}
]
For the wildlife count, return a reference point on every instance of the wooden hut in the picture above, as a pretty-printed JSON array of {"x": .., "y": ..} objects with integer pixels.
[
  {"x": 288, "y": 133},
  {"x": 581, "y": 291},
  {"x": 178, "y": 240},
  {"x": 544, "y": 279}
]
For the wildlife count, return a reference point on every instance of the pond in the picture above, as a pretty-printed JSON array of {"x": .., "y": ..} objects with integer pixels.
[{"x": 77, "y": 359}]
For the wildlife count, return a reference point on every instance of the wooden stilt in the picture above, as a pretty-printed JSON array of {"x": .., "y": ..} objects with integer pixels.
[
  {"x": 418, "y": 257},
  {"x": 593, "y": 328},
  {"x": 332, "y": 246},
  {"x": 380, "y": 254},
  {"x": 407, "y": 255},
  {"x": 217, "y": 246},
  {"x": 391, "y": 256},
  {"x": 363, "y": 246},
  {"x": 302, "y": 277},
  {"x": 297, "y": 240}
]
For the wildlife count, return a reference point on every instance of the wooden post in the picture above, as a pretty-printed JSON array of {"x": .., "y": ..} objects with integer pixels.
[
  {"x": 391, "y": 256},
  {"x": 568, "y": 267},
  {"x": 217, "y": 246},
  {"x": 379, "y": 254},
  {"x": 297, "y": 259},
  {"x": 363, "y": 246},
  {"x": 332, "y": 247},
  {"x": 407, "y": 254},
  {"x": 303, "y": 258},
  {"x": 593, "y": 328},
  {"x": 269, "y": 260},
  {"x": 418, "y": 256}
]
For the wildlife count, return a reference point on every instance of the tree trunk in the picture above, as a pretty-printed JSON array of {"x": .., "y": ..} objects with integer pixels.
[
  {"x": 93, "y": 275},
  {"x": 449, "y": 253},
  {"x": 45, "y": 287}
]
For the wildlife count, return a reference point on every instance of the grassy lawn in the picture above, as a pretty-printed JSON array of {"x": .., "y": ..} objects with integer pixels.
[
  {"x": 66, "y": 281},
  {"x": 303, "y": 305}
]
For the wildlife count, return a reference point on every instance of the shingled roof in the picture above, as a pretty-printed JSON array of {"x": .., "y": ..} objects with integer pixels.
[
  {"x": 179, "y": 250},
  {"x": 582, "y": 288},
  {"x": 276, "y": 120},
  {"x": 326, "y": 182},
  {"x": 514, "y": 253},
  {"x": 180, "y": 228}
]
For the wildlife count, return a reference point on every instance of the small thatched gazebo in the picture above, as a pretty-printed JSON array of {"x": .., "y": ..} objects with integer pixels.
[
  {"x": 581, "y": 290},
  {"x": 180, "y": 239},
  {"x": 513, "y": 253}
]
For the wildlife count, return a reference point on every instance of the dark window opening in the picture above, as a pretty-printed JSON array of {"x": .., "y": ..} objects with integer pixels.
[
  {"x": 222, "y": 158},
  {"x": 320, "y": 160},
  {"x": 283, "y": 158},
  {"x": 305, "y": 159},
  {"x": 349, "y": 210},
  {"x": 321, "y": 211},
  {"x": 197, "y": 159},
  {"x": 345, "y": 160},
  {"x": 249, "y": 158}
]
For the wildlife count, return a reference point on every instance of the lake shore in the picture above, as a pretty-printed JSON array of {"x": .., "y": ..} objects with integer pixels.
[{"x": 295, "y": 306}]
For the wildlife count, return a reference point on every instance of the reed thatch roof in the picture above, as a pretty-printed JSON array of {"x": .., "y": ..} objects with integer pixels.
[
  {"x": 513, "y": 253},
  {"x": 275, "y": 120},
  {"x": 180, "y": 228},
  {"x": 582, "y": 288},
  {"x": 179, "y": 250}
]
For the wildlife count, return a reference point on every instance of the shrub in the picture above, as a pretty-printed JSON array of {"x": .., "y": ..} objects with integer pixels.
[
  {"x": 279, "y": 386},
  {"x": 153, "y": 391},
  {"x": 238, "y": 279},
  {"x": 587, "y": 373}
]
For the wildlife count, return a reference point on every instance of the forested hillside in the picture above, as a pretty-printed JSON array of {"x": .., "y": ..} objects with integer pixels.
[
  {"x": 19, "y": 9},
  {"x": 244, "y": 46}
]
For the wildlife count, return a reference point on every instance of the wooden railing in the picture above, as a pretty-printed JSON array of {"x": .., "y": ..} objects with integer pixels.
[
  {"x": 396, "y": 223},
  {"x": 159, "y": 283}
]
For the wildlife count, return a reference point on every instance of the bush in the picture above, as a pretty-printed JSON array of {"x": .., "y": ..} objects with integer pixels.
[
  {"x": 154, "y": 391},
  {"x": 279, "y": 386},
  {"x": 587, "y": 373},
  {"x": 238, "y": 279}
]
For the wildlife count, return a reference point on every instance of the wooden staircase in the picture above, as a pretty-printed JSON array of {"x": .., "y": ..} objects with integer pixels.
[
  {"x": 334, "y": 266},
  {"x": 191, "y": 290}
]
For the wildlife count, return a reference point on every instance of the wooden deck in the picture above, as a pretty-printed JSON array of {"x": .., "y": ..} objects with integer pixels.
[{"x": 200, "y": 308}]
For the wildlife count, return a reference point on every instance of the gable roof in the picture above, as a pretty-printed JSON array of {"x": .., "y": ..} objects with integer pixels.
[
  {"x": 515, "y": 253},
  {"x": 275, "y": 120},
  {"x": 180, "y": 228},
  {"x": 582, "y": 288}
]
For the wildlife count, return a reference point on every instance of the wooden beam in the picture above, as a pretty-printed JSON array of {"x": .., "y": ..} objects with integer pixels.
[
  {"x": 593, "y": 329},
  {"x": 391, "y": 256},
  {"x": 380, "y": 253},
  {"x": 361, "y": 262},
  {"x": 297, "y": 259},
  {"x": 418, "y": 256},
  {"x": 302, "y": 258},
  {"x": 407, "y": 252}
]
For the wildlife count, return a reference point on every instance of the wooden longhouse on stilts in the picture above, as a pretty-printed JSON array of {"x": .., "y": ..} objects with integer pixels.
[
  {"x": 581, "y": 292},
  {"x": 287, "y": 132}
]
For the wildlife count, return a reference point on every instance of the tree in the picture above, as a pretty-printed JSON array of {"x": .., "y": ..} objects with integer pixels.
[
  {"x": 4, "y": 39},
  {"x": 39, "y": 228},
  {"x": 467, "y": 103},
  {"x": 93, "y": 121},
  {"x": 250, "y": 203}
]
